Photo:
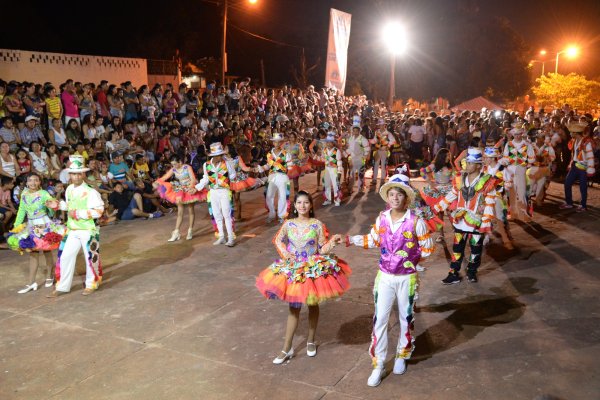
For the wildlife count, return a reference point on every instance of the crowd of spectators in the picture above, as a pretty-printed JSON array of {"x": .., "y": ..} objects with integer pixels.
[{"x": 127, "y": 135}]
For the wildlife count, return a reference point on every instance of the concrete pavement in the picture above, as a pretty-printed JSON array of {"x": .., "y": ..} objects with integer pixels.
[{"x": 183, "y": 320}]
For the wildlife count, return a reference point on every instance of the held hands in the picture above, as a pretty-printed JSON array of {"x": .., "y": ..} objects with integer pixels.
[{"x": 52, "y": 204}]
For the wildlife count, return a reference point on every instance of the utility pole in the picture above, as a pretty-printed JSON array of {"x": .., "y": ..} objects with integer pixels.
[
  {"x": 224, "y": 45},
  {"x": 262, "y": 72}
]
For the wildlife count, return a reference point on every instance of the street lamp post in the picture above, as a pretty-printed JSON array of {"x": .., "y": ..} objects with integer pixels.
[
  {"x": 539, "y": 61},
  {"x": 224, "y": 41},
  {"x": 571, "y": 52},
  {"x": 394, "y": 37}
]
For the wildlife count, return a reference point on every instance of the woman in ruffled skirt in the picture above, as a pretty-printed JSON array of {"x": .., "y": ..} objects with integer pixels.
[
  {"x": 39, "y": 234},
  {"x": 307, "y": 272}
]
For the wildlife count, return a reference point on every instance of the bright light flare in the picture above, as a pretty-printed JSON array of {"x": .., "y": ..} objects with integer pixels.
[
  {"x": 572, "y": 51},
  {"x": 394, "y": 37},
  {"x": 542, "y": 52},
  {"x": 252, "y": 1}
]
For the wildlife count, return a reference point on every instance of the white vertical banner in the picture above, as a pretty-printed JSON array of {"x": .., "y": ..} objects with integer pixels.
[{"x": 337, "y": 50}]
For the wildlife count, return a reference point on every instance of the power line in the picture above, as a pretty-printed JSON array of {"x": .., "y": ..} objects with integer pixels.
[{"x": 266, "y": 38}]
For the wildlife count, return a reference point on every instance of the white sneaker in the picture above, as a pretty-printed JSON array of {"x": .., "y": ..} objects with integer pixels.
[
  {"x": 337, "y": 204},
  {"x": 230, "y": 243},
  {"x": 420, "y": 268},
  {"x": 220, "y": 240},
  {"x": 326, "y": 203},
  {"x": 399, "y": 366},
  {"x": 375, "y": 378}
]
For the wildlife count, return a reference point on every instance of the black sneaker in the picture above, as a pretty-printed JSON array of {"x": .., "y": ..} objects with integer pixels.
[
  {"x": 472, "y": 277},
  {"x": 451, "y": 279}
]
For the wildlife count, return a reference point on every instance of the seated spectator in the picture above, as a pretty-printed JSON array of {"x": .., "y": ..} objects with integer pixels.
[
  {"x": 8, "y": 161},
  {"x": 31, "y": 132},
  {"x": 73, "y": 132},
  {"x": 10, "y": 134},
  {"x": 120, "y": 170},
  {"x": 116, "y": 143},
  {"x": 40, "y": 161},
  {"x": 7, "y": 208},
  {"x": 140, "y": 169},
  {"x": 129, "y": 208},
  {"x": 151, "y": 199},
  {"x": 23, "y": 162},
  {"x": 80, "y": 150}
]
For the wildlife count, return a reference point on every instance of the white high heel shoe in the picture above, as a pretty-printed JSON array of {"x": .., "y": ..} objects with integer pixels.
[
  {"x": 33, "y": 286},
  {"x": 190, "y": 234},
  {"x": 174, "y": 236},
  {"x": 311, "y": 349},
  {"x": 283, "y": 356}
]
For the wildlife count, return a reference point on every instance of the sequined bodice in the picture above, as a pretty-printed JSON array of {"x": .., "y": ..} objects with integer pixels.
[
  {"x": 183, "y": 175},
  {"x": 303, "y": 238}
]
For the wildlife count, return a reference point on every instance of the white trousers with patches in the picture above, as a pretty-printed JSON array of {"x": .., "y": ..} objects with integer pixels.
[
  {"x": 220, "y": 204},
  {"x": 388, "y": 289}
]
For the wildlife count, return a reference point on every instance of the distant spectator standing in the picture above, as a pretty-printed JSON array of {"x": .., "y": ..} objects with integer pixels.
[
  {"x": 131, "y": 102},
  {"x": 54, "y": 107},
  {"x": 70, "y": 102}
]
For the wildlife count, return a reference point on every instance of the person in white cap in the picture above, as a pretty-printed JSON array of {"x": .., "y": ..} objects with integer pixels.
[
  {"x": 381, "y": 143},
  {"x": 31, "y": 132},
  {"x": 475, "y": 196},
  {"x": 358, "y": 150},
  {"x": 581, "y": 168},
  {"x": 518, "y": 156},
  {"x": 83, "y": 206},
  {"x": 218, "y": 173},
  {"x": 279, "y": 182},
  {"x": 404, "y": 240},
  {"x": 332, "y": 157}
]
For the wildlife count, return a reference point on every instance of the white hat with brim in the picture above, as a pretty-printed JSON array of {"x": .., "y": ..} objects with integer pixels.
[
  {"x": 216, "y": 149},
  {"x": 492, "y": 152},
  {"x": 31, "y": 118},
  {"x": 77, "y": 164},
  {"x": 474, "y": 155},
  {"x": 330, "y": 137},
  {"x": 517, "y": 131},
  {"x": 400, "y": 181},
  {"x": 277, "y": 137}
]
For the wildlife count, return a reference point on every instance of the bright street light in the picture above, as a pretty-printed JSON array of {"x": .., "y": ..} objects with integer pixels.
[
  {"x": 542, "y": 52},
  {"x": 571, "y": 52},
  {"x": 394, "y": 37},
  {"x": 224, "y": 40}
]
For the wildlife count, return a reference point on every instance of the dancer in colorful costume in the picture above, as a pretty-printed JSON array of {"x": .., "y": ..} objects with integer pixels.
[
  {"x": 518, "y": 156},
  {"x": 581, "y": 168},
  {"x": 296, "y": 166},
  {"x": 40, "y": 233},
  {"x": 492, "y": 167},
  {"x": 439, "y": 175},
  {"x": 333, "y": 170},
  {"x": 473, "y": 198},
  {"x": 403, "y": 239},
  {"x": 277, "y": 164},
  {"x": 242, "y": 182},
  {"x": 83, "y": 205},
  {"x": 358, "y": 150},
  {"x": 218, "y": 172},
  {"x": 381, "y": 143},
  {"x": 306, "y": 273},
  {"x": 542, "y": 167},
  {"x": 181, "y": 192}
]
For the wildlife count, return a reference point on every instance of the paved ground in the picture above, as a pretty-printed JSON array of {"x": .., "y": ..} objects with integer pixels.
[{"x": 184, "y": 321}]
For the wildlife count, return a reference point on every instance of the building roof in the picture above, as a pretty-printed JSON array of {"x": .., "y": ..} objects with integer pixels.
[{"x": 477, "y": 104}]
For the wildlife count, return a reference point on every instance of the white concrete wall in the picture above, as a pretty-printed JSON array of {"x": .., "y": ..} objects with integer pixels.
[{"x": 40, "y": 67}]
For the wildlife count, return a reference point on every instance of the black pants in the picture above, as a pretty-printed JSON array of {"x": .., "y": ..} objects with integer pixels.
[{"x": 475, "y": 240}]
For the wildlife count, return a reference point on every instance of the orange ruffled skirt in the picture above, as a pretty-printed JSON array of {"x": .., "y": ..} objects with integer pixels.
[
  {"x": 310, "y": 282},
  {"x": 247, "y": 184},
  {"x": 175, "y": 193}
]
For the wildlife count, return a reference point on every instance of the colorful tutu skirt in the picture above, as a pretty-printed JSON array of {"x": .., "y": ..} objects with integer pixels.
[
  {"x": 315, "y": 164},
  {"x": 176, "y": 193},
  {"x": 243, "y": 182},
  {"x": 431, "y": 196},
  {"x": 309, "y": 281},
  {"x": 29, "y": 237},
  {"x": 295, "y": 171}
]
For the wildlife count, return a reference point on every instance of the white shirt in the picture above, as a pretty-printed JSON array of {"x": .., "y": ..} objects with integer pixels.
[{"x": 417, "y": 133}]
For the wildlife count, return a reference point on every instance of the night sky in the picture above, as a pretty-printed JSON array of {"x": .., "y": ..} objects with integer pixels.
[{"x": 150, "y": 29}]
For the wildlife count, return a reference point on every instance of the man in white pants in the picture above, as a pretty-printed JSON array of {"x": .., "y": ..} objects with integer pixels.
[
  {"x": 358, "y": 152},
  {"x": 332, "y": 157},
  {"x": 218, "y": 173},
  {"x": 381, "y": 142},
  {"x": 518, "y": 156},
  {"x": 277, "y": 162},
  {"x": 403, "y": 239},
  {"x": 83, "y": 204}
]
